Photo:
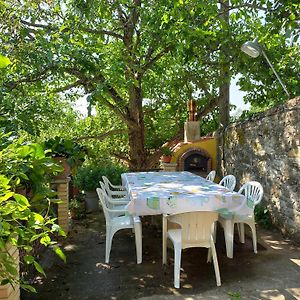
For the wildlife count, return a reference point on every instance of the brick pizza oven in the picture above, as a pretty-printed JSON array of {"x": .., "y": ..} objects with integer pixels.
[{"x": 195, "y": 154}]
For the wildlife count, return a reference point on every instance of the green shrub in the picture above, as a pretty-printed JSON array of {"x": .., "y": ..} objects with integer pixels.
[
  {"x": 262, "y": 216},
  {"x": 25, "y": 220},
  {"x": 87, "y": 177}
]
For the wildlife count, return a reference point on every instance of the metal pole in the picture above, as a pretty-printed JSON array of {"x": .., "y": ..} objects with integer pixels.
[{"x": 284, "y": 87}]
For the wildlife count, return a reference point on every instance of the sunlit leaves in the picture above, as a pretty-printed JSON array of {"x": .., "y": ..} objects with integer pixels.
[
  {"x": 60, "y": 253},
  {"x": 4, "y": 61}
]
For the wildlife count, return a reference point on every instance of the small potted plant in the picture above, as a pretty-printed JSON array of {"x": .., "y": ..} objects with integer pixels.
[
  {"x": 67, "y": 153},
  {"x": 167, "y": 155},
  {"x": 87, "y": 180}
]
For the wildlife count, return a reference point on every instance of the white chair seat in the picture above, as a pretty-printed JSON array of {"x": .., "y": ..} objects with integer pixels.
[{"x": 122, "y": 221}]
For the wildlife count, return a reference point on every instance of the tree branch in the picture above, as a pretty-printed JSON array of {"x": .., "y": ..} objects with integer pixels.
[
  {"x": 68, "y": 87},
  {"x": 31, "y": 78},
  {"x": 154, "y": 158},
  {"x": 245, "y": 5},
  {"x": 151, "y": 61},
  {"x": 103, "y": 32},
  {"x": 101, "y": 136},
  {"x": 208, "y": 108},
  {"x": 45, "y": 26},
  {"x": 122, "y": 157}
]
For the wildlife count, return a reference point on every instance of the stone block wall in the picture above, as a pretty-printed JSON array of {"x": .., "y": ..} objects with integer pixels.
[{"x": 266, "y": 148}]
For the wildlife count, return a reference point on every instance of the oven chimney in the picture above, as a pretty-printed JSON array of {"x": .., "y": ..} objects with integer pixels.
[{"x": 192, "y": 126}]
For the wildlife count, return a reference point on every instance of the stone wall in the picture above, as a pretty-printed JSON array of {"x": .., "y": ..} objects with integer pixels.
[{"x": 266, "y": 148}]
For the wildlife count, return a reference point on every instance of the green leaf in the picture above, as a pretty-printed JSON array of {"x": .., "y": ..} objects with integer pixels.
[
  {"x": 45, "y": 240},
  {"x": 22, "y": 200},
  {"x": 4, "y": 61},
  {"x": 38, "y": 218},
  {"x": 4, "y": 281},
  {"x": 28, "y": 288},
  {"x": 6, "y": 196},
  {"x": 39, "y": 268},
  {"x": 60, "y": 253},
  {"x": 29, "y": 259}
]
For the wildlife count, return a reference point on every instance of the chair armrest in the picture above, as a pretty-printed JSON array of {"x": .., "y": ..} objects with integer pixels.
[
  {"x": 117, "y": 210},
  {"x": 118, "y": 187},
  {"x": 119, "y": 193},
  {"x": 119, "y": 201}
]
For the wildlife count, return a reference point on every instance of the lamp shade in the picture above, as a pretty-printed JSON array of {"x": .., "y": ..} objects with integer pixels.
[{"x": 251, "y": 48}]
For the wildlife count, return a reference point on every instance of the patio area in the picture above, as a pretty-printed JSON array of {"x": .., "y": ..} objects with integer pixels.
[{"x": 274, "y": 273}]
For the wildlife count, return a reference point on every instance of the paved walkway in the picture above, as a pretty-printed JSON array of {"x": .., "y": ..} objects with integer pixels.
[{"x": 274, "y": 273}]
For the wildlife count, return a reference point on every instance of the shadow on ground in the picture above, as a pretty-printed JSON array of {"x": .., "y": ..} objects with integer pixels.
[{"x": 273, "y": 273}]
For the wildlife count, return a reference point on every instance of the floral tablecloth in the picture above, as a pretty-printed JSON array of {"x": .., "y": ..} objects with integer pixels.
[{"x": 153, "y": 193}]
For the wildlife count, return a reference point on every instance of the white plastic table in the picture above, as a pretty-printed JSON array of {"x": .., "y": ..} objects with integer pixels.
[{"x": 154, "y": 193}]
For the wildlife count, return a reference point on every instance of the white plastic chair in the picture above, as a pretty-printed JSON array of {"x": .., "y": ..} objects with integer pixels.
[
  {"x": 196, "y": 231},
  {"x": 253, "y": 192},
  {"x": 115, "y": 223},
  {"x": 211, "y": 176},
  {"x": 229, "y": 182}
]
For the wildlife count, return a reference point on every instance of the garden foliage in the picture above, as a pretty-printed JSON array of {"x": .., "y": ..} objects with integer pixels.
[{"x": 25, "y": 218}]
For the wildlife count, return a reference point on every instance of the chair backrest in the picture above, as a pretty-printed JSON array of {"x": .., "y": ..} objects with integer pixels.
[
  {"x": 229, "y": 182},
  {"x": 105, "y": 187},
  {"x": 211, "y": 175},
  {"x": 108, "y": 197},
  {"x": 253, "y": 191},
  {"x": 106, "y": 181},
  {"x": 197, "y": 227},
  {"x": 102, "y": 197}
]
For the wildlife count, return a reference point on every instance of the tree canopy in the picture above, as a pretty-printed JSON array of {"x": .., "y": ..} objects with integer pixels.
[{"x": 138, "y": 62}]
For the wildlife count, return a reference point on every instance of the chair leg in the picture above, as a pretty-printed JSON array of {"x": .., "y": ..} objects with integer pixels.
[
  {"x": 209, "y": 255},
  {"x": 109, "y": 237},
  {"x": 214, "y": 234},
  {"x": 177, "y": 262},
  {"x": 229, "y": 232},
  {"x": 138, "y": 242},
  {"x": 164, "y": 240},
  {"x": 215, "y": 226},
  {"x": 254, "y": 239},
  {"x": 241, "y": 230},
  {"x": 215, "y": 260}
]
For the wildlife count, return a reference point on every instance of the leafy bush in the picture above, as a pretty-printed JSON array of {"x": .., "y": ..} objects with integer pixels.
[
  {"x": 88, "y": 177},
  {"x": 74, "y": 152},
  {"x": 262, "y": 216},
  {"x": 24, "y": 220}
]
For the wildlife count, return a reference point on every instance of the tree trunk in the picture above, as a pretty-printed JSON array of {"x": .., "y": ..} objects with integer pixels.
[
  {"x": 136, "y": 128},
  {"x": 224, "y": 100},
  {"x": 224, "y": 89},
  {"x": 224, "y": 72}
]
